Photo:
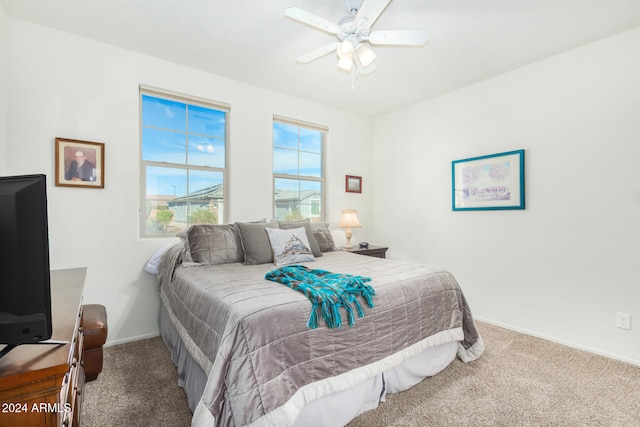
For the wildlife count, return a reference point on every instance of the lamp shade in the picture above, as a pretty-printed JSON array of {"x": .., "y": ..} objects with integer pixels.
[
  {"x": 366, "y": 55},
  {"x": 349, "y": 218},
  {"x": 345, "y": 55}
]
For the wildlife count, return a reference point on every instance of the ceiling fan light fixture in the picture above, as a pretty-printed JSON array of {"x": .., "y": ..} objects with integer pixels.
[
  {"x": 366, "y": 55},
  {"x": 345, "y": 49},
  {"x": 345, "y": 55},
  {"x": 355, "y": 35},
  {"x": 345, "y": 64}
]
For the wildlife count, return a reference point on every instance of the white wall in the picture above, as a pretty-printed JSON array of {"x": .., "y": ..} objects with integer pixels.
[
  {"x": 559, "y": 269},
  {"x": 66, "y": 86},
  {"x": 563, "y": 267},
  {"x": 3, "y": 91}
]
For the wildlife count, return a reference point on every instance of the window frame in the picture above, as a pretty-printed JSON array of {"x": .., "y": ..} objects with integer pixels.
[
  {"x": 189, "y": 100},
  {"x": 324, "y": 130}
]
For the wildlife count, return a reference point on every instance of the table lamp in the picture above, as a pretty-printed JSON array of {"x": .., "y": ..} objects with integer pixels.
[{"x": 349, "y": 219}]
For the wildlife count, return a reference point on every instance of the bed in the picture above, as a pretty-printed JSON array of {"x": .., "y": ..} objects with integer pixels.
[{"x": 246, "y": 355}]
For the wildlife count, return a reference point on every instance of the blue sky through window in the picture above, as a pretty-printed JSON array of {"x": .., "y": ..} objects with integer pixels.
[
  {"x": 181, "y": 134},
  {"x": 297, "y": 151},
  {"x": 297, "y": 163}
]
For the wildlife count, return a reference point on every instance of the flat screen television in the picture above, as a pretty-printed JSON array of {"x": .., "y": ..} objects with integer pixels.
[{"x": 25, "y": 293}]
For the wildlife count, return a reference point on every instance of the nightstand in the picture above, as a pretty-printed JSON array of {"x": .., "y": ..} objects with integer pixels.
[{"x": 374, "y": 251}]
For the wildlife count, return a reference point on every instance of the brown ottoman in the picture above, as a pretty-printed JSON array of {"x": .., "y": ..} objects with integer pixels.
[{"x": 94, "y": 328}]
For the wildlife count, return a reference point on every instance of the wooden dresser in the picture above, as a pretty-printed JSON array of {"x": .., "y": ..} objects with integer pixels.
[{"x": 41, "y": 385}]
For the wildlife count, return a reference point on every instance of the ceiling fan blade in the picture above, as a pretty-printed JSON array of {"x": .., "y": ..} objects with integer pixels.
[
  {"x": 369, "y": 13},
  {"x": 399, "y": 37},
  {"x": 317, "y": 53},
  {"x": 312, "y": 20}
]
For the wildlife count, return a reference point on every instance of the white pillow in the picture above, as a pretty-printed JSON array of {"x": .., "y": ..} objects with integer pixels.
[
  {"x": 289, "y": 246},
  {"x": 154, "y": 262}
]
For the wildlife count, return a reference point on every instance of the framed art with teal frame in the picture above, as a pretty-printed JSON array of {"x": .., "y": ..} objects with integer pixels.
[{"x": 492, "y": 182}]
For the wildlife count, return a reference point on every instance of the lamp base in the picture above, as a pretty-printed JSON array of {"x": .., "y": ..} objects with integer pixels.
[{"x": 348, "y": 233}]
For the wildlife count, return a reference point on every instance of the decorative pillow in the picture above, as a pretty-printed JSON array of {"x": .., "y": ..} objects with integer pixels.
[
  {"x": 213, "y": 243},
  {"x": 323, "y": 236},
  {"x": 290, "y": 246},
  {"x": 287, "y": 225},
  {"x": 255, "y": 242}
]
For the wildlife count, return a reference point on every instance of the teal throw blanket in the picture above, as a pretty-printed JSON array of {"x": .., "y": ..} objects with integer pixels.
[{"x": 327, "y": 292}]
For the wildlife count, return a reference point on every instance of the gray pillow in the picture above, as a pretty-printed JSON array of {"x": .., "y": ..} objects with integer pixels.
[
  {"x": 255, "y": 242},
  {"x": 323, "y": 236},
  {"x": 213, "y": 243},
  {"x": 186, "y": 255},
  {"x": 287, "y": 225}
]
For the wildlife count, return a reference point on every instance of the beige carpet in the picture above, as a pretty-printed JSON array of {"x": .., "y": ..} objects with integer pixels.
[{"x": 519, "y": 381}]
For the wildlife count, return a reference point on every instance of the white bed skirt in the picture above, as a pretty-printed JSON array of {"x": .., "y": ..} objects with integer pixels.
[
  {"x": 331, "y": 402},
  {"x": 339, "y": 408}
]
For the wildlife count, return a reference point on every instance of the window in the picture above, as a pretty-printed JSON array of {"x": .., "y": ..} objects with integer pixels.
[
  {"x": 183, "y": 144},
  {"x": 298, "y": 170}
]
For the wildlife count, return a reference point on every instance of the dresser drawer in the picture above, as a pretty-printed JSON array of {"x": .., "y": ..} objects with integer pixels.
[{"x": 71, "y": 391}]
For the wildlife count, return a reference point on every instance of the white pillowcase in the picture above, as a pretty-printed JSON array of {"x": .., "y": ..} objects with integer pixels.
[
  {"x": 154, "y": 262},
  {"x": 290, "y": 246}
]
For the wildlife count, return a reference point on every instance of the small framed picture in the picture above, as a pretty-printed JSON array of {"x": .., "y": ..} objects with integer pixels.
[
  {"x": 353, "y": 184},
  {"x": 79, "y": 163},
  {"x": 488, "y": 182}
]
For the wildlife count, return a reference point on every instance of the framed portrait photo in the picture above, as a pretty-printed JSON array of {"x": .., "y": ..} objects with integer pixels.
[
  {"x": 488, "y": 182},
  {"x": 353, "y": 184},
  {"x": 79, "y": 163}
]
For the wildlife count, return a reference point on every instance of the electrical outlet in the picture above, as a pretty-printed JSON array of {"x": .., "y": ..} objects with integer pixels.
[{"x": 623, "y": 321}]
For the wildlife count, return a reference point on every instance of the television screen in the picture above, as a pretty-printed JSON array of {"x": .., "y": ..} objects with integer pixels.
[{"x": 25, "y": 295}]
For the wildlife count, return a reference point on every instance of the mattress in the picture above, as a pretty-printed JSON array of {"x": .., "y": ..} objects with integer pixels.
[{"x": 265, "y": 367}]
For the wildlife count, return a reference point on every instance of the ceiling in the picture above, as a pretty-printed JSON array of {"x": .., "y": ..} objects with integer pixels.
[{"x": 251, "y": 41}]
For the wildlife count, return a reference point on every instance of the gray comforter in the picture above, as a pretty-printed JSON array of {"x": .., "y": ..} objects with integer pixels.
[{"x": 250, "y": 334}]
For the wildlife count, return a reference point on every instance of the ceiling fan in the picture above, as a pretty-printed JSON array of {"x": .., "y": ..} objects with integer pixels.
[{"x": 354, "y": 35}]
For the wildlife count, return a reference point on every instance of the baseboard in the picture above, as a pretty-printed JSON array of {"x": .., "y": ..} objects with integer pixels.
[
  {"x": 130, "y": 339},
  {"x": 559, "y": 341}
]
